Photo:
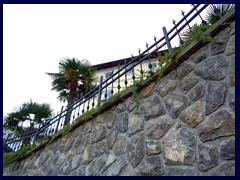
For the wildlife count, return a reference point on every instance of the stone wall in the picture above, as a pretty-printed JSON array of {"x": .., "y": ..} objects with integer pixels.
[{"x": 184, "y": 125}]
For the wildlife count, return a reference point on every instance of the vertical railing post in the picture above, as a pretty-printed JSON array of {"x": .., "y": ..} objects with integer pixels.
[
  {"x": 178, "y": 33},
  {"x": 100, "y": 90},
  {"x": 167, "y": 39},
  {"x": 203, "y": 21},
  {"x": 125, "y": 82},
  {"x": 58, "y": 122},
  {"x": 186, "y": 21},
  {"x": 149, "y": 61},
  {"x": 133, "y": 76}
]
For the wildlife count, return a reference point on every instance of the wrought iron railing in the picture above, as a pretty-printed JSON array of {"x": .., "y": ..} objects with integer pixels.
[{"x": 92, "y": 97}]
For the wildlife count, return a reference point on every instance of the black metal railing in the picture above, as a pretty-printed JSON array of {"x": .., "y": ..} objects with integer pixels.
[{"x": 107, "y": 87}]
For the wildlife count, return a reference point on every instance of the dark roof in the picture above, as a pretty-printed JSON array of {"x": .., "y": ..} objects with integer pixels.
[{"x": 121, "y": 61}]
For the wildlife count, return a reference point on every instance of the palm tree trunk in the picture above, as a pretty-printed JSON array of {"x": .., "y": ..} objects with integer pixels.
[
  {"x": 69, "y": 112},
  {"x": 68, "y": 115},
  {"x": 71, "y": 99},
  {"x": 27, "y": 140}
]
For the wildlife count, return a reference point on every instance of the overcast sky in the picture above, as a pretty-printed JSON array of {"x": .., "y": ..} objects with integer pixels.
[{"x": 36, "y": 37}]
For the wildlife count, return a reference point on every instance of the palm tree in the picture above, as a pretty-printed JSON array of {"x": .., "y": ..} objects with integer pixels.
[
  {"x": 216, "y": 11},
  {"x": 26, "y": 118},
  {"x": 73, "y": 79}
]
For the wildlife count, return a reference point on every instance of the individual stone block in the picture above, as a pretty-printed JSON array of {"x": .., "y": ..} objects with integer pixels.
[
  {"x": 152, "y": 107},
  {"x": 166, "y": 86},
  {"x": 87, "y": 155},
  {"x": 98, "y": 133},
  {"x": 108, "y": 118},
  {"x": 213, "y": 68},
  {"x": 87, "y": 127},
  {"x": 122, "y": 122},
  {"x": 153, "y": 147},
  {"x": 76, "y": 162},
  {"x": 86, "y": 140},
  {"x": 227, "y": 169},
  {"x": 119, "y": 145},
  {"x": 193, "y": 115},
  {"x": 99, "y": 148},
  {"x": 176, "y": 103},
  {"x": 135, "y": 149},
  {"x": 207, "y": 157},
  {"x": 215, "y": 96},
  {"x": 183, "y": 69},
  {"x": 178, "y": 146},
  {"x": 110, "y": 159},
  {"x": 157, "y": 127},
  {"x": 217, "y": 47},
  {"x": 220, "y": 41},
  {"x": 227, "y": 149},
  {"x": 197, "y": 92},
  {"x": 111, "y": 138},
  {"x": 200, "y": 55},
  {"x": 135, "y": 124},
  {"x": 116, "y": 168},
  {"x": 96, "y": 165},
  {"x": 152, "y": 166},
  {"x": 187, "y": 83},
  {"x": 221, "y": 123}
]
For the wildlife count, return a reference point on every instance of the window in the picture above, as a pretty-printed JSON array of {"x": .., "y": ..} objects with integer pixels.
[
  {"x": 154, "y": 65},
  {"x": 107, "y": 75}
]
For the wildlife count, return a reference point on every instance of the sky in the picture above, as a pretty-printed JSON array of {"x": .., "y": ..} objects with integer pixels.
[{"x": 36, "y": 37}]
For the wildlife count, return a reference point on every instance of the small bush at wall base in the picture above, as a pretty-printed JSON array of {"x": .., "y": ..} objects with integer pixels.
[{"x": 11, "y": 157}]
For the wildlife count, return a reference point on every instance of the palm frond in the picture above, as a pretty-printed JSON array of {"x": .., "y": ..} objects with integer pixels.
[
  {"x": 22, "y": 114},
  {"x": 216, "y": 11},
  {"x": 71, "y": 73}
]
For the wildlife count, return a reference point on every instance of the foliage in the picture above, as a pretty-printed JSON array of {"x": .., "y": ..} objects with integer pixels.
[
  {"x": 196, "y": 32},
  {"x": 43, "y": 139},
  {"x": 26, "y": 118},
  {"x": 11, "y": 157},
  {"x": 74, "y": 77},
  {"x": 216, "y": 11}
]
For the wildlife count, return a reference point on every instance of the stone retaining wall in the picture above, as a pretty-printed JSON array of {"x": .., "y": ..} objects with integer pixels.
[{"x": 185, "y": 125}]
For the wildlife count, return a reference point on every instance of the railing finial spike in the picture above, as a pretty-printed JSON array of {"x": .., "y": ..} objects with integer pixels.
[
  {"x": 182, "y": 12},
  {"x": 174, "y": 22}
]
